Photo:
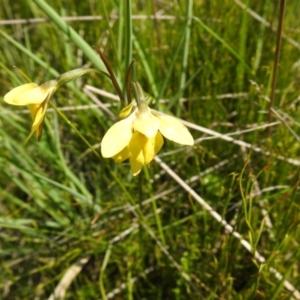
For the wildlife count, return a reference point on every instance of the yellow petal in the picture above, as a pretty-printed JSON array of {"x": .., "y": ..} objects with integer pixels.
[
  {"x": 121, "y": 156},
  {"x": 39, "y": 130},
  {"x": 117, "y": 137},
  {"x": 33, "y": 110},
  {"x": 36, "y": 95},
  {"x": 38, "y": 113},
  {"x": 146, "y": 123},
  {"x": 174, "y": 130},
  {"x": 135, "y": 166},
  {"x": 143, "y": 149},
  {"x": 10, "y": 96},
  {"x": 126, "y": 110}
]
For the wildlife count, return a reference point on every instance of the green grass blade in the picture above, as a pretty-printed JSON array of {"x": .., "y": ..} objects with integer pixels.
[{"x": 72, "y": 34}]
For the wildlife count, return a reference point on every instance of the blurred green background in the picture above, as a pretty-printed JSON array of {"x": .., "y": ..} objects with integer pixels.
[{"x": 73, "y": 226}]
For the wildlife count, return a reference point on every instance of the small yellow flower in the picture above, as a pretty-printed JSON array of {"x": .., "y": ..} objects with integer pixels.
[
  {"x": 36, "y": 97},
  {"x": 139, "y": 136}
]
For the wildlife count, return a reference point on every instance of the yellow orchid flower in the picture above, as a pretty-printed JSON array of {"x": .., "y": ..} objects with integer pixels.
[
  {"x": 36, "y": 97},
  {"x": 139, "y": 135}
]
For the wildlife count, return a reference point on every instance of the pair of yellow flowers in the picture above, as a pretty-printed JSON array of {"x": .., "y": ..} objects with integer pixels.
[{"x": 138, "y": 136}]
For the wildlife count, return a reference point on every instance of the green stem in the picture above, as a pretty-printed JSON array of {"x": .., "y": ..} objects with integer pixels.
[
  {"x": 71, "y": 33},
  {"x": 154, "y": 207},
  {"x": 111, "y": 34},
  {"x": 276, "y": 57},
  {"x": 75, "y": 129},
  {"x": 102, "y": 270},
  {"x": 189, "y": 15},
  {"x": 128, "y": 34}
]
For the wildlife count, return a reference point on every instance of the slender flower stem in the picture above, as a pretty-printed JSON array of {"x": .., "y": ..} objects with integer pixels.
[
  {"x": 23, "y": 74},
  {"x": 155, "y": 211},
  {"x": 276, "y": 56},
  {"x": 75, "y": 129}
]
